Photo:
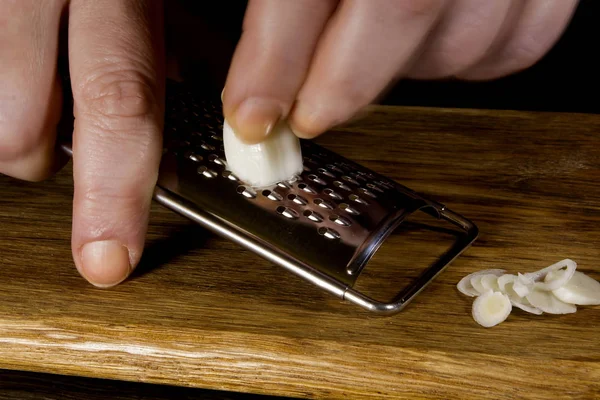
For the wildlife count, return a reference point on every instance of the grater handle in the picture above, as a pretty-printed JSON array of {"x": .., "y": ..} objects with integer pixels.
[{"x": 411, "y": 291}]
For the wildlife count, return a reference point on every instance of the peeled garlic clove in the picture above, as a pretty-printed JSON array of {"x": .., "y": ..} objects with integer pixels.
[
  {"x": 465, "y": 286},
  {"x": 548, "y": 303},
  {"x": 491, "y": 308},
  {"x": 278, "y": 158},
  {"x": 580, "y": 289}
]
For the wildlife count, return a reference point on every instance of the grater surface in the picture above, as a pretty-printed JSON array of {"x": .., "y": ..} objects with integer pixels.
[{"x": 324, "y": 225}]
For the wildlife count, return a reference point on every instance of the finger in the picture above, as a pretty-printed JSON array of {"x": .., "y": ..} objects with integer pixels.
[
  {"x": 462, "y": 38},
  {"x": 365, "y": 47},
  {"x": 271, "y": 62},
  {"x": 535, "y": 31},
  {"x": 30, "y": 95},
  {"x": 115, "y": 50}
]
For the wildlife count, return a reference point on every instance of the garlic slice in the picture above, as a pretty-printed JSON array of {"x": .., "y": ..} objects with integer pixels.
[
  {"x": 278, "y": 158},
  {"x": 548, "y": 303},
  {"x": 541, "y": 274},
  {"x": 491, "y": 308},
  {"x": 490, "y": 282},
  {"x": 558, "y": 277},
  {"x": 580, "y": 289},
  {"x": 505, "y": 285},
  {"x": 523, "y": 285},
  {"x": 465, "y": 286}
]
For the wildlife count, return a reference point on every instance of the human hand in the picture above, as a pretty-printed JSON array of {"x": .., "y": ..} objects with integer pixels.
[
  {"x": 318, "y": 63},
  {"x": 115, "y": 60}
]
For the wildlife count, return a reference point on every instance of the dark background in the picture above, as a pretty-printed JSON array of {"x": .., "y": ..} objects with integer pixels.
[{"x": 566, "y": 79}]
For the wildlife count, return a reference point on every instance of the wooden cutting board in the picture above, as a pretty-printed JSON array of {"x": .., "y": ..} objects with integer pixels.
[{"x": 202, "y": 312}]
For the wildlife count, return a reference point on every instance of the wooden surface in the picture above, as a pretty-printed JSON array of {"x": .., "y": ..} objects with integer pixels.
[{"x": 201, "y": 312}]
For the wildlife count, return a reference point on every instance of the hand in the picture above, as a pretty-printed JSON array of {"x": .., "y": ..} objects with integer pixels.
[
  {"x": 115, "y": 51},
  {"x": 320, "y": 62}
]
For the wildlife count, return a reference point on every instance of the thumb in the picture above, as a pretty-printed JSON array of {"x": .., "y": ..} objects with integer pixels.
[{"x": 115, "y": 50}]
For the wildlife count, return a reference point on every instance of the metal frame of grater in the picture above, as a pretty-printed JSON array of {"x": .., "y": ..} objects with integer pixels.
[{"x": 323, "y": 226}]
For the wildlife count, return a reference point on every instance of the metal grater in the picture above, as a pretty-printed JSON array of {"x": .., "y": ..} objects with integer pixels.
[{"x": 324, "y": 225}]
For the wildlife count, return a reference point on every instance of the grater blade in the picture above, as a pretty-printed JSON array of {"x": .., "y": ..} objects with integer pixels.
[{"x": 324, "y": 225}]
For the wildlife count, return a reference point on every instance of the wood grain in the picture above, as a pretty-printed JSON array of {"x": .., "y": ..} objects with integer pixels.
[{"x": 201, "y": 312}]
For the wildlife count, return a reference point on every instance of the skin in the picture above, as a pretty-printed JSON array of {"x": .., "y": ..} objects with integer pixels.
[{"x": 316, "y": 63}]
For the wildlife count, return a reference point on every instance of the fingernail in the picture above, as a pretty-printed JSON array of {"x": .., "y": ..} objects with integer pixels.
[
  {"x": 222, "y": 93},
  {"x": 105, "y": 263},
  {"x": 255, "y": 118}
]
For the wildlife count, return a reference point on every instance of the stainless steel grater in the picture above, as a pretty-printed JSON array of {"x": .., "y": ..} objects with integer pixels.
[{"x": 324, "y": 226}]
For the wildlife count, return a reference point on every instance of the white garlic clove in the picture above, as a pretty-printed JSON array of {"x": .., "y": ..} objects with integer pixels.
[{"x": 278, "y": 158}]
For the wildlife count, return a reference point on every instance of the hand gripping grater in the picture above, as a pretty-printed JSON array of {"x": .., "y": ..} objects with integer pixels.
[{"x": 324, "y": 225}]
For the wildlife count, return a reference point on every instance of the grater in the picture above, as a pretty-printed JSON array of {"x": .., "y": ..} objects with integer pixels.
[{"x": 323, "y": 225}]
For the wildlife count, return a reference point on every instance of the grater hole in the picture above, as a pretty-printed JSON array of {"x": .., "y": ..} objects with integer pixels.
[
  {"x": 215, "y": 158},
  {"x": 272, "y": 195},
  {"x": 316, "y": 179},
  {"x": 284, "y": 185},
  {"x": 287, "y": 212},
  {"x": 374, "y": 187},
  {"x": 297, "y": 199},
  {"x": 334, "y": 168},
  {"x": 313, "y": 216},
  {"x": 349, "y": 209},
  {"x": 332, "y": 194},
  {"x": 323, "y": 204},
  {"x": 342, "y": 185},
  {"x": 194, "y": 157},
  {"x": 339, "y": 220},
  {"x": 207, "y": 147},
  {"x": 208, "y": 173},
  {"x": 306, "y": 188},
  {"x": 350, "y": 180},
  {"x": 326, "y": 173},
  {"x": 359, "y": 177},
  {"x": 229, "y": 175},
  {"x": 246, "y": 192},
  {"x": 358, "y": 199},
  {"x": 328, "y": 233},
  {"x": 367, "y": 192}
]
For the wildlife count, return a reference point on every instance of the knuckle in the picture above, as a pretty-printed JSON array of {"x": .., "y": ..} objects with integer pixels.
[
  {"x": 121, "y": 94},
  {"x": 108, "y": 197}
]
